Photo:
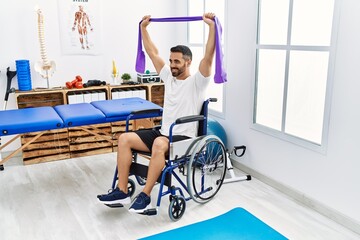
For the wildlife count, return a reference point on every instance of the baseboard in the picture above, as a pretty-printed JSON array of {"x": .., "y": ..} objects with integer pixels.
[{"x": 330, "y": 213}]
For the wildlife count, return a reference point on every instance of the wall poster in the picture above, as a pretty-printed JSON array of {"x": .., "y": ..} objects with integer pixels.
[{"x": 80, "y": 27}]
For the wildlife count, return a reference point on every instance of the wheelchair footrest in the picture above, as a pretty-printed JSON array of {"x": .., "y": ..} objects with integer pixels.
[
  {"x": 115, "y": 205},
  {"x": 150, "y": 212}
]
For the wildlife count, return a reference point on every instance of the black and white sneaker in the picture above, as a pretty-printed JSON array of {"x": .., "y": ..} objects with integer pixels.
[
  {"x": 140, "y": 204},
  {"x": 115, "y": 196}
]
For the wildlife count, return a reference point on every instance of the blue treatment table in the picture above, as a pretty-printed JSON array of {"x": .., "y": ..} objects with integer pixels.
[{"x": 28, "y": 120}]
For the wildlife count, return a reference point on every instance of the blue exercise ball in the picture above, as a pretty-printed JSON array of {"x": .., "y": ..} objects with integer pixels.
[{"x": 215, "y": 128}]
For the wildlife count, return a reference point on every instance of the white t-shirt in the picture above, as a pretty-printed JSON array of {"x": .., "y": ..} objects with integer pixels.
[{"x": 182, "y": 98}]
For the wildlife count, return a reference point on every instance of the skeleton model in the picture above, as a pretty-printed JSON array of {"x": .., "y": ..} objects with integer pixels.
[{"x": 45, "y": 67}]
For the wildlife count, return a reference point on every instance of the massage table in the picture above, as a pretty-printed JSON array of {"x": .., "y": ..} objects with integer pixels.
[{"x": 44, "y": 119}]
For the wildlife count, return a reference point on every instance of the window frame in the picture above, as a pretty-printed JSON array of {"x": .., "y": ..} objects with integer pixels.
[
  {"x": 322, "y": 147},
  {"x": 213, "y": 112}
]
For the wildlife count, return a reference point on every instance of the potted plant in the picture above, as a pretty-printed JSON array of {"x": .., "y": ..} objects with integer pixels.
[{"x": 126, "y": 77}]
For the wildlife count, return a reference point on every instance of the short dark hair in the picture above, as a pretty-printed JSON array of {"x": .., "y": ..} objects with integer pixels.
[{"x": 182, "y": 49}]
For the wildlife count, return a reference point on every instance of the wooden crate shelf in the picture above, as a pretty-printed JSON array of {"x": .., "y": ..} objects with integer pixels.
[
  {"x": 40, "y": 100},
  {"x": 51, "y": 146},
  {"x": 83, "y": 143},
  {"x": 76, "y": 142},
  {"x": 86, "y": 94},
  {"x": 157, "y": 94},
  {"x": 49, "y": 158}
]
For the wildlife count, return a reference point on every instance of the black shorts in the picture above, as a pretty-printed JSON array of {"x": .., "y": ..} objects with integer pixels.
[{"x": 148, "y": 136}]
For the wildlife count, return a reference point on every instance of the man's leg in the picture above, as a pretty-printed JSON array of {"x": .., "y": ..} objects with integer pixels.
[
  {"x": 86, "y": 37},
  {"x": 81, "y": 36},
  {"x": 119, "y": 196},
  {"x": 126, "y": 142},
  {"x": 157, "y": 163}
]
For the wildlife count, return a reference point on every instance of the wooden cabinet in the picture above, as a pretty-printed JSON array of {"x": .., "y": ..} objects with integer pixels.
[
  {"x": 86, "y": 94},
  {"x": 156, "y": 94},
  {"x": 78, "y": 141},
  {"x": 52, "y": 145},
  {"x": 39, "y": 99}
]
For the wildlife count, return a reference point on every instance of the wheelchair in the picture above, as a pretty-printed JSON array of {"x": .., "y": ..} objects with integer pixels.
[{"x": 202, "y": 162}]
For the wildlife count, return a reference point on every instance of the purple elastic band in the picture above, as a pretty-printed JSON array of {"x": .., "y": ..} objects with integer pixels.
[{"x": 220, "y": 74}]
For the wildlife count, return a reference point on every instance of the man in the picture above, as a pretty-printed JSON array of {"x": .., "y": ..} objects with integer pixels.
[
  {"x": 82, "y": 21},
  {"x": 184, "y": 95}
]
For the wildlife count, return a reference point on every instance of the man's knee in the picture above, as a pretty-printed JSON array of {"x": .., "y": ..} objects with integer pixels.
[
  {"x": 124, "y": 140},
  {"x": 160, "y": 146},
  {"x": 131, "y": 140}
]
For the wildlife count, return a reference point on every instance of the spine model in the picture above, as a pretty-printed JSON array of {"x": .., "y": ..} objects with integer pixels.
[
  {"x": 44, "y": 67},
  {"x": 42, "y": 39}
]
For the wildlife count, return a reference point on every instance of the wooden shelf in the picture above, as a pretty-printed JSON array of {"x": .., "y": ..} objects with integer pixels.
[
  {"x": 77, "y": 142},
  {"x": 52, "y": 145}
]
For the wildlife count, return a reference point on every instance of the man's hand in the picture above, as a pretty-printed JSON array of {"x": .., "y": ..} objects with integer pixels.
[
  {"x": 209, "y": 18},
  {"x": 149, "y": 46},
  {"x": 145, "y": 21},
  {"x": 206, "y": 62}
]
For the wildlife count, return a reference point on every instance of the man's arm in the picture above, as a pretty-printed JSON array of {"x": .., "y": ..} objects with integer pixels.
[
  {"x": 206, "y": 62},
  {"x": 149, "y": 46},
  {"x": 88, "y": 20},
  {"x": 75, "y": 21}
]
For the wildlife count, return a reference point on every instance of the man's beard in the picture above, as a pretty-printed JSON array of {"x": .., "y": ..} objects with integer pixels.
[{"x": 177, "y": 71}]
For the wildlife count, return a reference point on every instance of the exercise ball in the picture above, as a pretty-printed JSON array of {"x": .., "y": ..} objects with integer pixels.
[{"x": 215, "y": 128}]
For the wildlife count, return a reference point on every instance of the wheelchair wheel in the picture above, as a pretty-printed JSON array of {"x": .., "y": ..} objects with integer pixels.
[
  {"x": 192, "y": 146},
  {"x": 177, "y": 207},
  {"x": 131, "y": 187},
  {"x": 206, "y": 169}
]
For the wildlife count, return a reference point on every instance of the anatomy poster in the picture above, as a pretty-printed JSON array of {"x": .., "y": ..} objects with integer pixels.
[{"x": 80, "y": 28}]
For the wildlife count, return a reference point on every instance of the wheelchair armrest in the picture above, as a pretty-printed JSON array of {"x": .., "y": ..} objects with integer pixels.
[
  {"x": 187, "y": 119},
  {"x": 145, "y": 113}
]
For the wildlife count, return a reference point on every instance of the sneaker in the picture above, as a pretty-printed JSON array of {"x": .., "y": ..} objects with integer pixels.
[
  {"x": 115, "y": 196},
  {"x": 140, "y": 203}
]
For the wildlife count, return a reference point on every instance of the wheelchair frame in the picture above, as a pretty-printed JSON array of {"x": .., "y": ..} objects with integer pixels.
[{"x": 206, "y": 157}]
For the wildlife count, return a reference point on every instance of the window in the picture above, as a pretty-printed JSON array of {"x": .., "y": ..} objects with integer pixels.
[
  {"x": 197, "y": 37},
  {"x": 294, "y": 68}
]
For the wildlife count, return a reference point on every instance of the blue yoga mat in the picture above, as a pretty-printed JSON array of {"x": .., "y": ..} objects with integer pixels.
[{"x": 235, "y": 224}]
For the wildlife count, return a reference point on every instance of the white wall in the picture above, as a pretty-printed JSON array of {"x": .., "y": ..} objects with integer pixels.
[
  {"x": 331, "y": 179},
  {"x": 119, "y": 29}
]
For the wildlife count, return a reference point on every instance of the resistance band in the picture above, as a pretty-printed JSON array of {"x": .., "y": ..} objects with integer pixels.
[{"x": 220, "y": 74}]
